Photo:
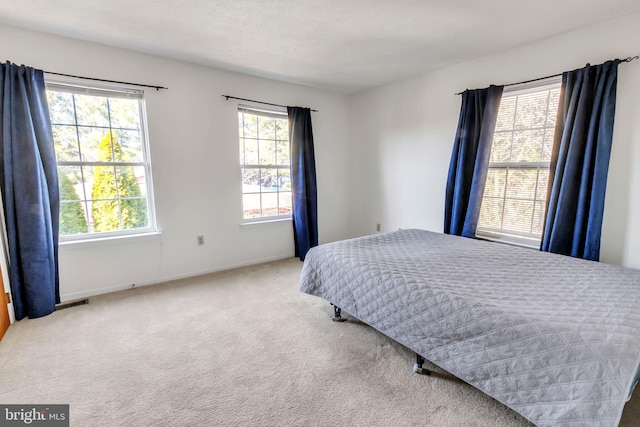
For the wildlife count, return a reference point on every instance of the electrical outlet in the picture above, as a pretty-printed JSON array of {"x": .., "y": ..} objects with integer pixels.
[
  {"x": 200, "y": 240},
  {"x": 378, "y": 228}
]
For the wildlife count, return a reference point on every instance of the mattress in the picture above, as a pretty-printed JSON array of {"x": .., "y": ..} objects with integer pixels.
[{"x": 555, "y": 338}]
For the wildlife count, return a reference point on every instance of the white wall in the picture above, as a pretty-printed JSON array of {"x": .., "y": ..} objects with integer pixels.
[
  {"x": 382, "y": 156},
  {"x": 402, "y": 134},
  {"x": 194, "y": 153}
]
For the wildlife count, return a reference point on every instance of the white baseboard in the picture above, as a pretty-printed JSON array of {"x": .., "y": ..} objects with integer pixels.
[{"x": 158, "y": 280}]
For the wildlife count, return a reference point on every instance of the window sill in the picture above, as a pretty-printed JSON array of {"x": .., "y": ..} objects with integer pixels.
[
  {"x": 265, "y": 222},
  {"x": 102, "y": 241},
  {"x": 507, "y": 241}
]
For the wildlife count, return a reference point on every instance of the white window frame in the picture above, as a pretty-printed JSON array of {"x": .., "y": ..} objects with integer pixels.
[
  {"x": 509, "y": 236},
  {"x": 279, "y": 113},
  {"x": 88, "y": 87}
]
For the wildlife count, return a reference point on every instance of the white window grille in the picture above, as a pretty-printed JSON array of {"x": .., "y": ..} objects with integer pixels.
[
  {"x": 102, "y": 155},
  {"x": 265, "y": 164},
  {"x": 514, "y": 200}
]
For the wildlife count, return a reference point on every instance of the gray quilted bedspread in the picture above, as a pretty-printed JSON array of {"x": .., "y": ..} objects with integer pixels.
[{"x": 555, "y": 338}]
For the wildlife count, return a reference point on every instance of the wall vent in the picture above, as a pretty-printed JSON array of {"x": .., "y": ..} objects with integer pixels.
[{"x": 70, "y": 304}]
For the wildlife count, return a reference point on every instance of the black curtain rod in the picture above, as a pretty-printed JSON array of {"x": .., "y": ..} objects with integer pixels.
[
  {"x": 628, "y": 59},
  {"x": 108, "y": 81},
  {"x": 258, "y": 102}
]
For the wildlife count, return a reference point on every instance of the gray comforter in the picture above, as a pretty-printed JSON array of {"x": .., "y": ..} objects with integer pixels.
[{"x": 555, "y": 338}]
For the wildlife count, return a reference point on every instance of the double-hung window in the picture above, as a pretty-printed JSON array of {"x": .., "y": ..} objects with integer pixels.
[
  {"x": 103, "y": 163},
  {"x": 265, "y": 164},
  {"x": 514, "y": 200}
]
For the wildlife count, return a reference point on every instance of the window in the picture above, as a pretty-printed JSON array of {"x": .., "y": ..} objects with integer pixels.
[
  {"x": 265, "y": 164},
  {"x": 514, "y": 200},
  {"x": 103, "y": 162}
]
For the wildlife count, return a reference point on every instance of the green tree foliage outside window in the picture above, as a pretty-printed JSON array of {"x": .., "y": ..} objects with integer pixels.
[
  {"x": 117, "y": 201},
  {"x": 72, "y": 219}
]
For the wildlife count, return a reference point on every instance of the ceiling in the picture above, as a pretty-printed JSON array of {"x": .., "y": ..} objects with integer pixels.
[{"x": 340, "y": 45}]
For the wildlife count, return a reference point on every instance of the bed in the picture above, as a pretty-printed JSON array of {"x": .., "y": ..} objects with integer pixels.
[{"x": 555, "y": 338}]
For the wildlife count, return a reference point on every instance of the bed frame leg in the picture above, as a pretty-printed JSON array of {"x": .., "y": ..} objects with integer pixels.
[
  {"x": 417, "y": 367},
  {"x": 337, "y": 314}
]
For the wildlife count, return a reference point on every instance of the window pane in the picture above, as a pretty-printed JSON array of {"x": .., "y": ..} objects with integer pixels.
[
  {"x": 527, "y": 146},
  {"x": 496, "y": 180},
  {"x": 531, "y": 110},
  {"x": 73, "y": 219},
  {"x": 521, "y": 183},
  {"x": 251, "y": 206},
  {"x": 501, "y": 147},
  {"x": 141, "y": 177},
  {"x": 120, "y": 184},
  {"x": 124, "y": 113},
  {"x": 70, "y": 183},
  {"x": 105, "y": 215},
  {"x": 269, "y": 204},
  {"x": 65, "y": 141},
  {"x": 131, "y": 143},
  {"x": 284, "y": 201},
  {"x": 133, "y": 213},
  {"x": 251, "y": 152},
  {"x": 506, "y": 113},
  {"x": 87, "y": 174},
  {"x": 517, "y": 215},
  {"x": 269, "y": 180},
  {"x": 491, "y": 213},
  {"x": 548, "y": 144},
  {"x": 267, "y": 152},
  {"x": 104, "y": 183},
  {"x": 284, "y": 179},
  {"x": 282, "y": 129},
  {"x": 249, "y": 126},
  {"x": 250, "y": 180},
  {"x": 91, "y": 140},
  {"x": 554, "y": 101},
  {"x": 538, "y": 218},
  {"x": 128, "y": 181},
  {"x": 266, "y": 128},
  {"x": 92, "y": 110},
  {"x": 61, "y": 108},
  {"x": 282, "y": 153},
  {"x": 543, "y": 182},
  {"x": 111, "y": 143}
]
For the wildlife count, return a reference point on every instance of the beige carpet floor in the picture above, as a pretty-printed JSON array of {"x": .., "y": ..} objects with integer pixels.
[{"x": 242, "y": 347}]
